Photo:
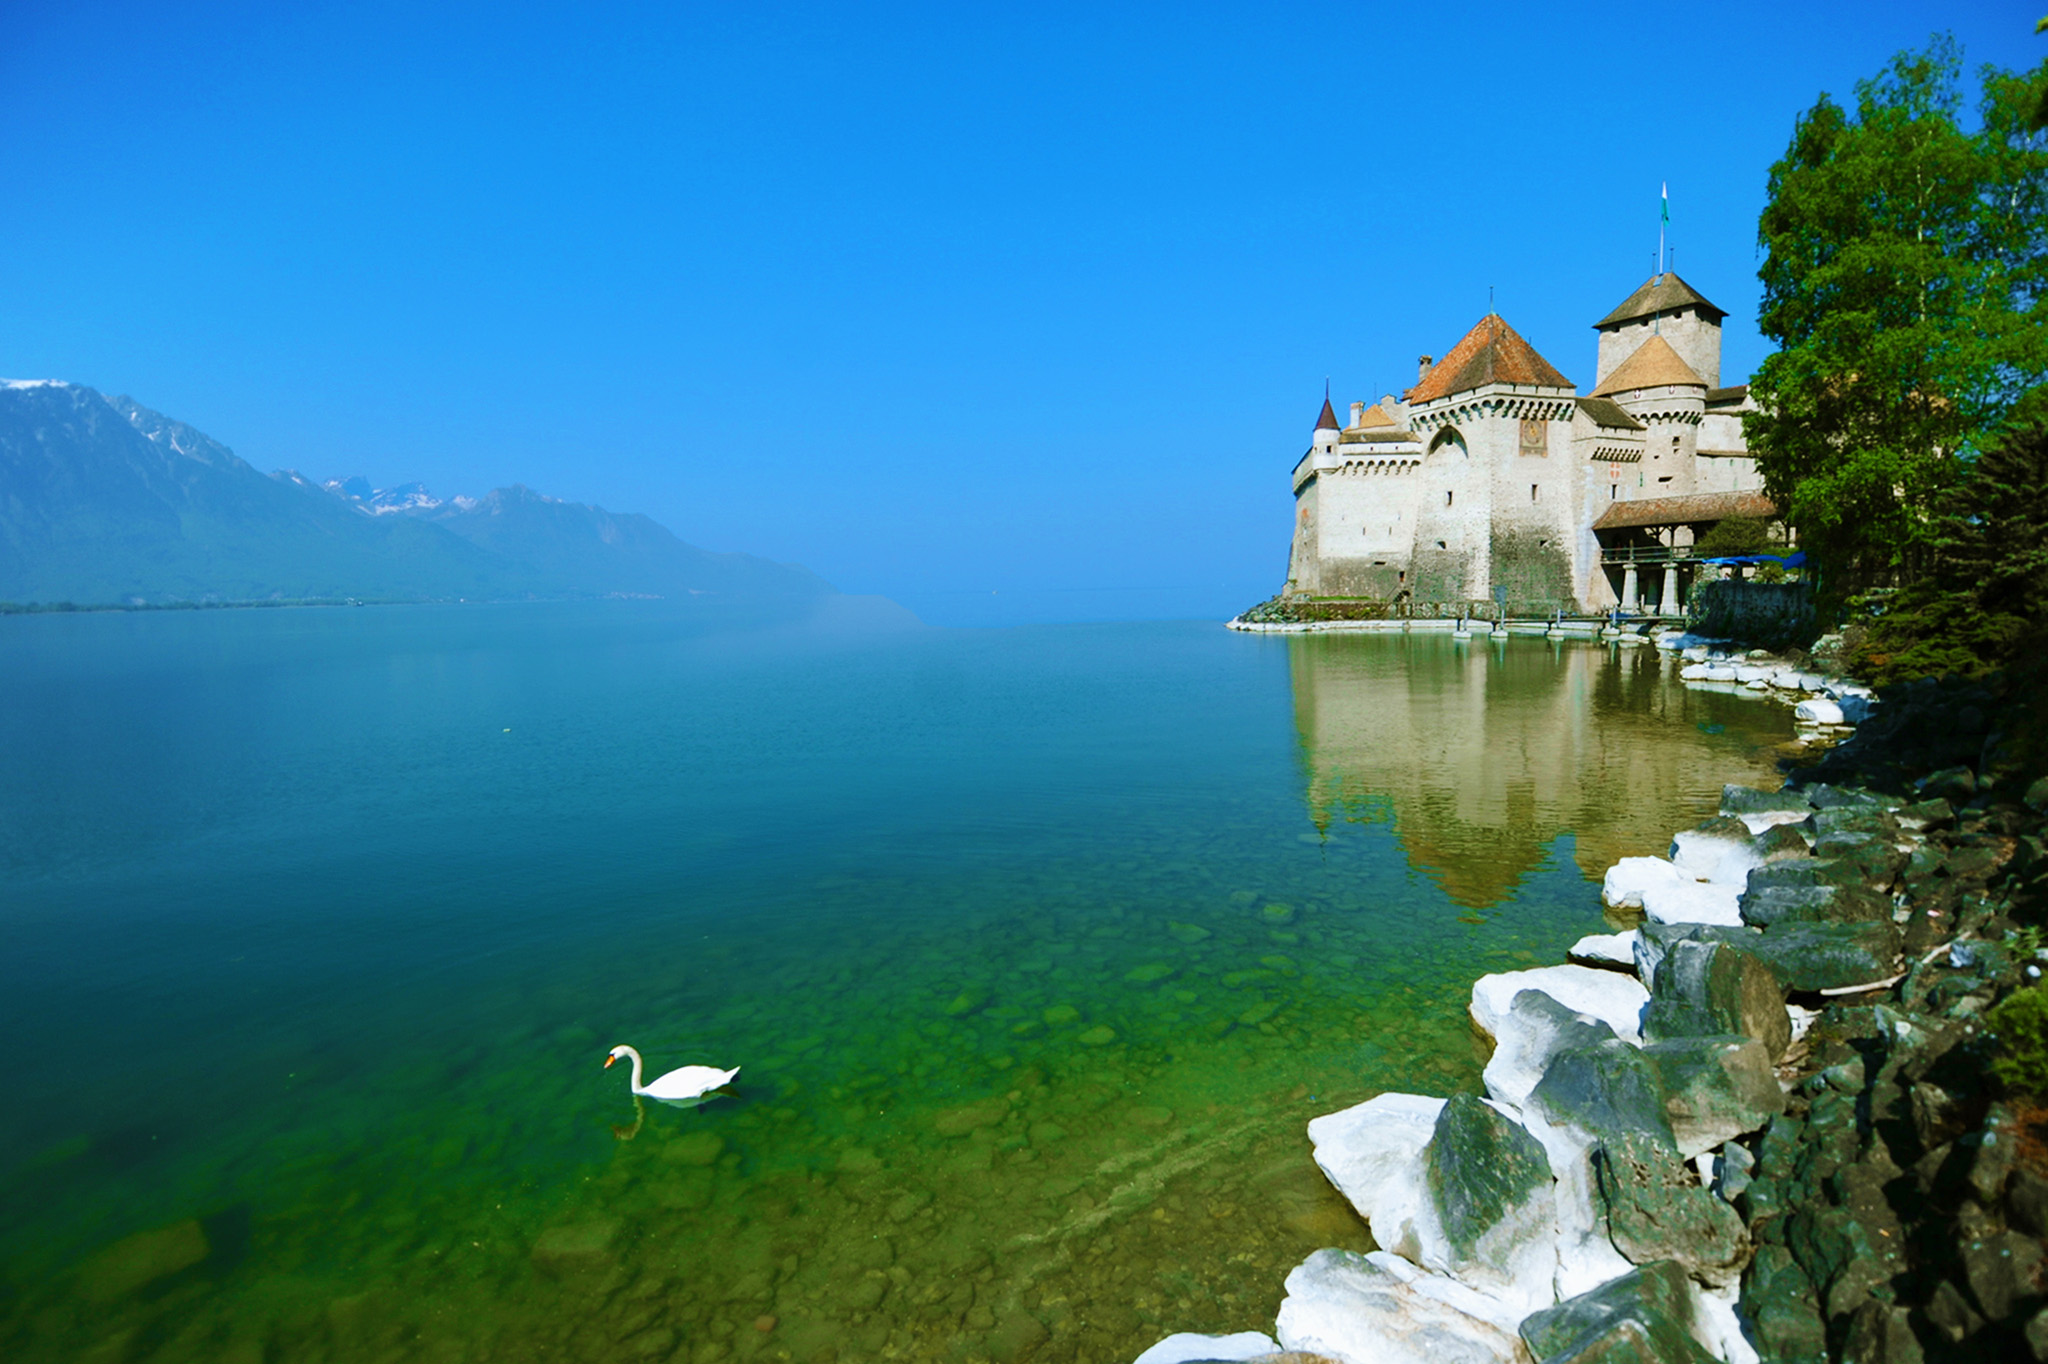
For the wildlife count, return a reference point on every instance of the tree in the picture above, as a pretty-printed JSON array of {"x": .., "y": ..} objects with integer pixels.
[{"x": 1906, "y": 285}]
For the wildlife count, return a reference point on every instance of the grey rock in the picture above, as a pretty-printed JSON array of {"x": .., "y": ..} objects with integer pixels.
[
  {"x": 1950, "y": 1312},
  {"x": 2026, "y": 1201},
  {"x": 1734, "y": 1170},
  {"x": 2037, "y": 1325},
  {"x": 1780, "y": 843},
  {"x": 1645, "y": 1315},
  {"x": 1706, "y": 989},
  {"x": 2002, "y": 1271},
  {"x": 1834, "y": 797},
  {"x": 1997, "y": 1151},
  {"x": 1657, "y": 1211},
  {"x": 1605, "y": 1089},
  {"x": 1880, "y": 1334},
  {"x": 1953, "y": 784},
  {"x": 1926, "y": 816},
  {"x": 1534, "y": 1031},
  {"x": 1715, "y": 1088}
]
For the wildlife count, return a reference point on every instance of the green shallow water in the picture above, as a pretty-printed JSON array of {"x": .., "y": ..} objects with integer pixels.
[{"x": 1036, "y": 949}]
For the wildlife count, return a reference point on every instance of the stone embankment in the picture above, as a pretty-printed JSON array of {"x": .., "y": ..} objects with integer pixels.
[{"x": 1759, "y": 1124}]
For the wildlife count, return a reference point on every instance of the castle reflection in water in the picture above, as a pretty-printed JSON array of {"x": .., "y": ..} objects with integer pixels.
[{"x": 1482, "y": 754}]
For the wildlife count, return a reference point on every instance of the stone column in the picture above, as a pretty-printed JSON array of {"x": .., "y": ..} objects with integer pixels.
[
  {"x": 1673, "y": 605},
  {"x": 1628, "y": 588}
]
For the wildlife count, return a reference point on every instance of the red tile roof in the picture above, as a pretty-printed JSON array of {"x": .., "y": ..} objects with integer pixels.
[
  {"x": 1491, "y": 353},
  {"x": 1690, "y": 510},
  {"x": 1651, "y": 365}
]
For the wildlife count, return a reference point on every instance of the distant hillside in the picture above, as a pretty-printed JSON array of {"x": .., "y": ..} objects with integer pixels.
[{"x": 104, "y": 501}]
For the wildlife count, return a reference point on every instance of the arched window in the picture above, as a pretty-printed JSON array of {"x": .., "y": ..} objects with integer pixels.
[{"x": 1448, "y": 441}]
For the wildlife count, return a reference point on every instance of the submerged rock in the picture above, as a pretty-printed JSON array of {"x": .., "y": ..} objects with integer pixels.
[
  {"x": 1378, "y": 1309},
  {"x": 137, "y": 1261}
]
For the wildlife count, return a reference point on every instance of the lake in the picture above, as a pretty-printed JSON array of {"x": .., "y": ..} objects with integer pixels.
[{"x": 1036, "y": 949}]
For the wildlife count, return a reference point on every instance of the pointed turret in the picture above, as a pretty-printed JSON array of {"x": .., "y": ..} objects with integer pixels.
[
  {"x": 1328, "y": 420},
  {"x": 1664, "y": 305}
]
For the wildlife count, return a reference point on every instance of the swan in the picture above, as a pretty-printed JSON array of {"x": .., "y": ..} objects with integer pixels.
[{"x": 681, "y": 1085}]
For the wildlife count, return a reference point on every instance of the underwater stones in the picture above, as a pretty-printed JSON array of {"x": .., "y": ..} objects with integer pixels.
[
  {"x": 1278, "y": 916},
  {"x": 135, "y": 1262},
  {"x": 1494, "y": 1223},
  {"x": 858, "y": 1160},
  {"x": 1372, "y": 1153},
  {"x": 1626, "y": 880},
  {"x": 958, "y": 1122},
  {"x": 1656, "y": 1211},
  {"x": 1647, "y": 1316},
  {"x": 575, "y": 1248},
  {"x": 1101, "y": 1035},
  {"x": 1613, "y": 998},
  {"x": 1378, "y": 1309},
  {"x": 1059, "y": 1015},
  {"x": 1186, "y": 1347},
  {"x": 1187, "y": 933},
  {"x": 1535, "y": 1029},
  {"x": 1258, "y": 1013},
  {"x": 970, "y": 1000},
  {"x": 1703, "y": 989},
  {"x": 693, "y": 1148},
  {"x": 1715, "y": 1089},
  {"x": 1150, "y": 973}
]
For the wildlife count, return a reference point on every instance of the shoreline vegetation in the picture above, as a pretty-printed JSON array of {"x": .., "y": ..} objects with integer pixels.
[{"x": 1796, "y": 1109}]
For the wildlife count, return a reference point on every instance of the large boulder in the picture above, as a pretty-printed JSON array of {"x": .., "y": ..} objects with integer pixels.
[
  {"x": 1614, "y": 950},
  {"x": 1704, "y": 989},
  {"x": 1804, "y": 957},
  {"x": 1602, "y": 1089},
  {"x": 1493, "y": 1222},
  {"x": 1647, "y": 1316},
  {"x": 1722, "y": 849},
  {"x": 1535, "y": 1029},
  {"x": 1378, "y": 1309},
  {"x": 1372, "y": 1153},
  {"x": 1694, "y": 902},
  {"x": 1715, "y": 1089},
  {"x": 1626, "y": 880},
  {"x": 1656, "y": 1210},
  {"x": 1609, "y": 996}
]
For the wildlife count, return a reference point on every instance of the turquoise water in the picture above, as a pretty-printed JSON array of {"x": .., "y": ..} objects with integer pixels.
[{"x": 1036, "y": 949}]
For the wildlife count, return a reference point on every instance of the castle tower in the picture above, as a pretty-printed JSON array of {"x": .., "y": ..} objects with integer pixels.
[
  {"x": 1659, "y": 389},
  {"x": 1498, "y": 492},
  {"x": 1664, "y": 306}
]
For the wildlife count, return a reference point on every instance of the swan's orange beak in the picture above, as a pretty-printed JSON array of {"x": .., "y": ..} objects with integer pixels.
[{"x": 608, "y": 1061}]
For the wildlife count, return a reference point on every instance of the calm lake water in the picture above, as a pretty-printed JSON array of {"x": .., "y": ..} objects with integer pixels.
[{"x": 1036, "y": 949}]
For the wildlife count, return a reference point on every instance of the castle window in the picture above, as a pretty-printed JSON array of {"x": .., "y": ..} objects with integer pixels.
[
  {"x": 1532, "y": 492},
  {"x": 1447, "y": 497}
]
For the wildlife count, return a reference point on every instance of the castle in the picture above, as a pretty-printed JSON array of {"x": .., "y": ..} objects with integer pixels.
[{"x": 1492, "y": 479}]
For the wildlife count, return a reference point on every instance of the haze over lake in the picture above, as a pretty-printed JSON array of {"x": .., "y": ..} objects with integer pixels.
[{"x": 1036, "y": 949}]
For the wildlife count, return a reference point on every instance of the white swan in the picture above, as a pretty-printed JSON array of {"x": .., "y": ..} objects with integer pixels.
[{"x": 682, "y": 1085}]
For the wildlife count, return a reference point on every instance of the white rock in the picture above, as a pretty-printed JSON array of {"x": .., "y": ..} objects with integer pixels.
[
  {"x": 1372, "y": 1153},
  {"x": 1613, "y": 998},
  {"x": 1695, "y": 653},
  {"x": 1694, "y": 902},
  {"x": 1606, "y": 949},
  {"x": 1802, "y": 1019},
  {"x": 1816, "y": 710},
  {"x": 1626, "y": 880},
  {"x": 1526, "y": 1041},
  {"x": 1512, "y": 1263},
  {"x": 1693, "y": 672},
  {"x": 1709, "y": 856},
  {"x": 1184, "y": 1347},
  {"x": 1718, "y": 1326},
  {"x": 1753, "y": 672},
  {"x": 1377, "y": 1309},
  {"x": 1586, "y": 1257},
  {"x": 1788, "y": 679}
]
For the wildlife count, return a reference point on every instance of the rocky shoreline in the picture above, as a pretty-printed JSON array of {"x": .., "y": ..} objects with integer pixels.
[{"x": 1759, "y": 1124}]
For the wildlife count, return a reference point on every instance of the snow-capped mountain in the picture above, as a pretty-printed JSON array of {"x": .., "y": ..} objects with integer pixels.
[{"x": 103, "y": 500}]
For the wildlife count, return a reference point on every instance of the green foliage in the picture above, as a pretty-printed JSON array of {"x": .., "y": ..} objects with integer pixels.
[
  {"x": 1736, "y": 535},
  {"x": 1979, "y": 606},
  {"x": 1906, "y": 284},
  {"x": 2020, "y": 1025}
]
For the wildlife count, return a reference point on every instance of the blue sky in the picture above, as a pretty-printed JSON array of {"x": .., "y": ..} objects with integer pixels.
[{"x": 1010, "y": 312}]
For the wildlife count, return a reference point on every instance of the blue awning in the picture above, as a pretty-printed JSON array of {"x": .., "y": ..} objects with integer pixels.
[{"x": 1796, "y": 559}]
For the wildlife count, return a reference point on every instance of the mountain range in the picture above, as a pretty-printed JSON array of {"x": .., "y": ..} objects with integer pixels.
[{"x": 103, "y": 502}]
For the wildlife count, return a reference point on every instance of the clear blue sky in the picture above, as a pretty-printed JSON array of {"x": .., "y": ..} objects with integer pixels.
[{"x": 1009, "y": 312}]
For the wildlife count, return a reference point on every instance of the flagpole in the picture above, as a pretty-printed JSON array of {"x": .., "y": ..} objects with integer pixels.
[{"x": 1663, "y": 218}]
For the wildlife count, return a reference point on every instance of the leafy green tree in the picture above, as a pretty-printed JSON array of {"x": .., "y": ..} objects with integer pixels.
[{"x": 1906, "y": 285}]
